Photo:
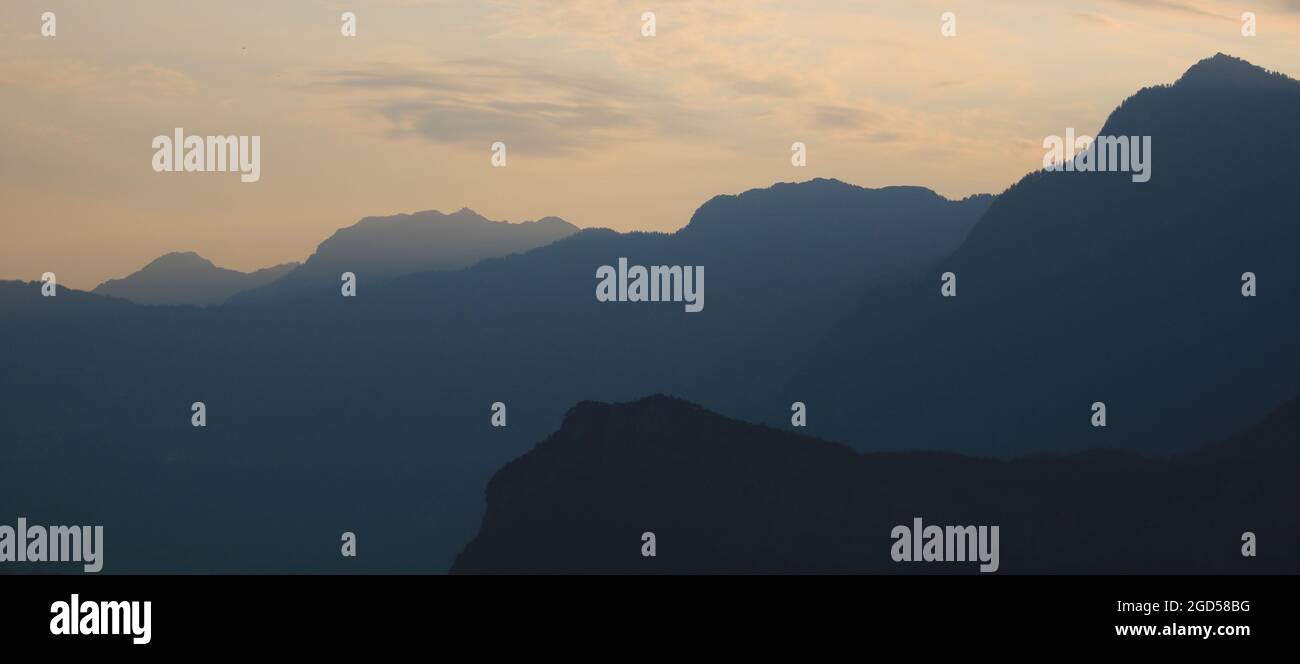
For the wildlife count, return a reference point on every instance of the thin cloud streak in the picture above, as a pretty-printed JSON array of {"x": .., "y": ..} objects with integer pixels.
[{"x": 475, "y": 102}]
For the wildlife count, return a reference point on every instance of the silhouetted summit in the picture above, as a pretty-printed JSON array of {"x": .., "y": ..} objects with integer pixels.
[
  {"x": 1222, "y": 71},
  {"x": 894, "y": 228},
  {"x": 184, "y": 277},
  {"x": 1073, "y": 288},
  {"x": 721, "y": 495},
  {"x": 377, "y": 249},
  {"x": 1084, "y": 287}
]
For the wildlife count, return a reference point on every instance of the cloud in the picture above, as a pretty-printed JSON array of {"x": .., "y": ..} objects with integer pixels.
[
  {"x": 1172, "y": 6},
  {"x": 49, "y": 131},
  {"x": 479, "y": 101},
  {"x": 152, "y": 79},
  {"x": 842, "y": 117},
  {"x": 1099, "y": 20},
  {"x": 139, "y": 83},
  {"x": 768, "y": 86}
]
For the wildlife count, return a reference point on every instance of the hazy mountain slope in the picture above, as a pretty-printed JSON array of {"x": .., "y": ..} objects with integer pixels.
[
  {"x": 781, "y": 266},
  {"x": 187, "y": 278},
  {"x": 1083, "y": 287},
  {"x": 376, "y": 249},
  {"x": 726, "y": 496},
  {"x": 371, "y": 414}
]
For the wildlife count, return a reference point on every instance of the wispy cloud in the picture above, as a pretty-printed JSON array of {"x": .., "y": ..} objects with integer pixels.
[
  {"x": 480, "y": 101},
  {"x": 1091, "y": 18},
  {"x": 1174, "y": 6},
  {"x": 142, "y": 83},
  {"x": 842, "y": 117},
  {"x": 765, "y": 86}
]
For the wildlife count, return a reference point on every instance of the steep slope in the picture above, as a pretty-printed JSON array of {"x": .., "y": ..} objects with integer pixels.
[
  {"x": 322, "y": 408},
  {"x": 187, "y": 278},
  {"x": 1079, "y": 287},
  {"x": 726, "y": 496}
]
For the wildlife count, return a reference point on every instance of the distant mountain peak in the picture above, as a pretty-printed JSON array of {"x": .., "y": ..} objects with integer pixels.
[
  {"x": 783, "y": 207},
  {"x": 184, "y": 277},
  {"x": 179, "y": 259},
  {"x": 1225, "y": 71},
  {"x": 378, "y": 249},
  {"x": 553, "y": 221},
  {"x": 432, "y": 216},
  {"x": 466, "y": 213}
]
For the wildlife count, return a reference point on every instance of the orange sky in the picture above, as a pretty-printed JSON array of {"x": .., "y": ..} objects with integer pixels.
[{"x": 603, "y": 127}]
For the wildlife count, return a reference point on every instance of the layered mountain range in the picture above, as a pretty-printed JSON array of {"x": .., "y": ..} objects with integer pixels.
[
  {"x": 375, "y": 249},
  {"x": 371, "y": 414}
]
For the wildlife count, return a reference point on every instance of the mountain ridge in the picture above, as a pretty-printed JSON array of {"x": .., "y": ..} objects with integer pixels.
[
  {"x": 1079, "y": 287},
  {"x": 186, "y": 278},
  {"x": 579, "y": 501},
  {"x": 387, "y": 393},
  {"x": 379, "y": 248}
]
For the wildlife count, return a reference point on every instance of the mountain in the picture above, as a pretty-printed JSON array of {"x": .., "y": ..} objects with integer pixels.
[
  {"x": 1084, "y": 287},
  {"x": 722, "y": 495},
  {"x": 1222, "y": 71},
  {"x": 187, "y": 278},
  {"x": 782, "y": 266},
  {"x": 376, "y": 249},
  {"x": 371, "y": 413}
]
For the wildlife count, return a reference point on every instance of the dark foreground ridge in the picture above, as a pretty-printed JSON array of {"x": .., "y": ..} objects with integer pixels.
[
  {"x": 386, "y": 393},
  {"x": 369, "y": 414},
  {"x": 723, "y": 495}
]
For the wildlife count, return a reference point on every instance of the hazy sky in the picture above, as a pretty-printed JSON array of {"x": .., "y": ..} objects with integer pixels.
[{"x": 603, "y": 127}]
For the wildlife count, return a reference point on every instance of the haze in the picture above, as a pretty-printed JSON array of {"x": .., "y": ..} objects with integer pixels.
[{"x": 603, "y": 127}]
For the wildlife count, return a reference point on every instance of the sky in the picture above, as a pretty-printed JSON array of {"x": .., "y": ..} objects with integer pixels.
[{"x": 603, "y": 126}]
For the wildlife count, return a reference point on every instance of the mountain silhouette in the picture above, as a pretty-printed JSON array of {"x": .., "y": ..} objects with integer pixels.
[
  {"x": 1222, "y": 71},
  {"x": 1084, "y": 287},
  {"x": 722, "y": 495},
  {"x": 323, "y": 407},
  {"x": 782, "y": 266},
  {"x": 187, "y": 278},
  {"x": 376, "y": 249},
  {"x": 370, "y": 414}
]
